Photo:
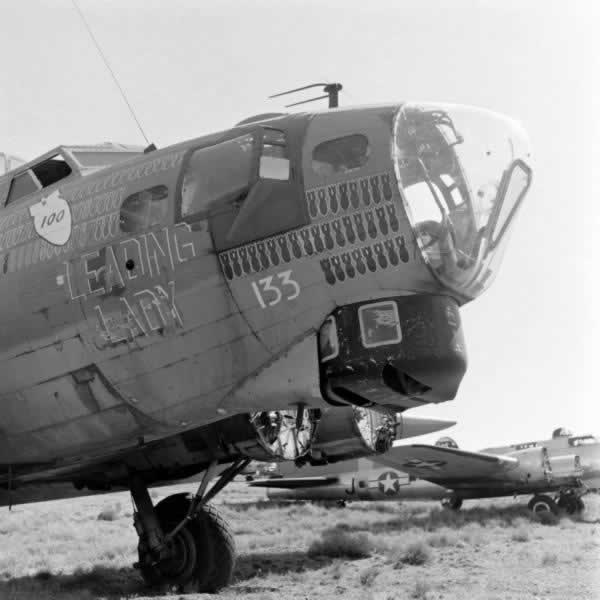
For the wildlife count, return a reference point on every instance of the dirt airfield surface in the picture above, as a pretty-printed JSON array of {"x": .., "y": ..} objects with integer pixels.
[{"x": 84, "y": 548}]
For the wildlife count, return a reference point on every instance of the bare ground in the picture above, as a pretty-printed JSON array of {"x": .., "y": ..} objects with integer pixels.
[{"x": 491, "y": 550}]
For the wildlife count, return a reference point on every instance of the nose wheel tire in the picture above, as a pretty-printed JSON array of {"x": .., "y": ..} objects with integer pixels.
[
  {"x": 542, "y": 503},
  {"x": 201, "y": 555}
]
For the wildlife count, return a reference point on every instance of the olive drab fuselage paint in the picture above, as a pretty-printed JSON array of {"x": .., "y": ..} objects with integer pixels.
[{"x": 276, "y": 264}]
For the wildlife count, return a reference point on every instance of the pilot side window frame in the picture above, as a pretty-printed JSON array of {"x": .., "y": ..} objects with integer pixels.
[
  {"x": 14, "y": 195},
  {"x": 339, "y": 155},
  {"x": 51, "y": 177},
  {"x": 274, "y": 161},
  {"x": 205, "y": 210}
]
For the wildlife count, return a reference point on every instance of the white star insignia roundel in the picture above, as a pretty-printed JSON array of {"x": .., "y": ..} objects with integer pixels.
[{"x": 388, "y": 483}]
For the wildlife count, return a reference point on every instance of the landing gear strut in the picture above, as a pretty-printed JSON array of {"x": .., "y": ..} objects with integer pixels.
[
  {"x": 452, "y": 503},
  {"x": 183, "y": 542},
  {"x": 570, "y": 502}
]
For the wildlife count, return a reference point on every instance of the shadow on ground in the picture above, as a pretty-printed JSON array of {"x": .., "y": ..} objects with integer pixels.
[
  {"x": 104, "y": 582},
  {"x": 117, "y": 583},
  {"x": 279, "y": 563},
  {"x": 437, "y": 518}
]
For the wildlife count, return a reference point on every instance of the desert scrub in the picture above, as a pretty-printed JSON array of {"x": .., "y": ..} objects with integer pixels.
[
  {"x": 414, "y": 554},
  {"x": 546, "y": 518},
  {"x": 421, "y": 590},
  {"x": 110, "y": 513},
  {"x": 442, "y": 539},
  {"x": 368, "y": 576},
  {"x": 337, "y": 543},
  {"x": 520, "y": 535}
]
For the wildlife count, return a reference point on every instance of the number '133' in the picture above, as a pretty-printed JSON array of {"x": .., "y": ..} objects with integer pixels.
[{"x": 270, "y": 290}]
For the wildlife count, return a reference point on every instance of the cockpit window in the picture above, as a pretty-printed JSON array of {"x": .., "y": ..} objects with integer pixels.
[
  {"x": 23, "y": 185},
  {"x": 39, "y": 176},
  {"x": 216, "y": 174},
  {"x": 516, "y": 183},
  {"x": 144, "y": 209},
  {"x": 52, "y": 170},
  {"x": 274, "y": 160},
  {"x": 341, "y": 155}
]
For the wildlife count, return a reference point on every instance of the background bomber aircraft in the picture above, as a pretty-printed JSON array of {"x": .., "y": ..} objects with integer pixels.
[
  {"x": 558, "y": 472},
  {"x": 275, "y": 291}
]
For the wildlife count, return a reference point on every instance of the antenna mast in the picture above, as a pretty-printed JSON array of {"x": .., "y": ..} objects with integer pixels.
[
  {"x": 331, "y": 90},
  {"x": 110, "y": 71}
]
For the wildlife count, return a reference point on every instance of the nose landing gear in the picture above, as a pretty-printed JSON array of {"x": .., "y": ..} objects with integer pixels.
[{"x": 184, "y": 544}]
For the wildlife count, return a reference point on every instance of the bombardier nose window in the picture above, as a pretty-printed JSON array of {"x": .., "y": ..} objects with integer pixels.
[{"x": 463, "y": 173}]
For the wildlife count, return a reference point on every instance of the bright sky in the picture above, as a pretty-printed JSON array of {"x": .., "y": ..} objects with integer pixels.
[{"x": 193, "y": 67}]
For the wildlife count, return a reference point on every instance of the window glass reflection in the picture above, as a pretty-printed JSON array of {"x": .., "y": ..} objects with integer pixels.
[
  {"x": 341, "y": 155},
  {"x": 144, "y": 209}
]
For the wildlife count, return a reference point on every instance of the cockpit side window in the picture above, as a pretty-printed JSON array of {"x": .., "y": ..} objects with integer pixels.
[
  {"x": 39, "y": 176},
  {"x": 217, "y": 174},
  {"x": 23, "y": 185},
  {"x": 274, "y": 159},
  {"x": 341, "y": 155},
  {"x": 144, "y": 209},
  {"x": 52, "y": 170}
]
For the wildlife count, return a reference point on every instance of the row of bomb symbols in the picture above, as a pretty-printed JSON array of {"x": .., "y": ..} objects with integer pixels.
[
  {"x": 360, "y": 260},
  {"x": 366, "y": 191},
  {"x": 314, "y": 239}
]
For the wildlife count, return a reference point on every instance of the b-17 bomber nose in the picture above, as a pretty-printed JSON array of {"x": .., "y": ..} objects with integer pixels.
[
  {"x": 399, "y": 351},
  {"x": 463, "y": 173}
]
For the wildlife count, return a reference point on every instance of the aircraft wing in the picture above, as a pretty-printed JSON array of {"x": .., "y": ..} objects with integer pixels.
[
  {"x": 293, "y": 483},
  {"x": 441, "y": 464}
]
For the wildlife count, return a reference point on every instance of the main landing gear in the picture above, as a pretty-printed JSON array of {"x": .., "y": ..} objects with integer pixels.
[
  {"x": 568, "y": 501},
  {"x": 452, "y": 503},
  {"x": 183, "y": 542}
]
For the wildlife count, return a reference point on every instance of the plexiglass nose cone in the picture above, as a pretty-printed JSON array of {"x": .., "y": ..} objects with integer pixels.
[{"x": 463, "y": 173}]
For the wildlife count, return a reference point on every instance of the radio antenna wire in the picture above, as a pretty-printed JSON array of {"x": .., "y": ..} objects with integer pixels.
[{"x": 124, "y": 96}]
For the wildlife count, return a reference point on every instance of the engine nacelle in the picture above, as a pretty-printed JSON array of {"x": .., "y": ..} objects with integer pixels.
[
  {"x": 532, "y": 464},
  {"x": 268, "y": 436},
  {"x": 535, "y": 464},
  {"x": 300, "y": 435},
  {"x": 352, "y": 432},
  {"x": 567, "y": 467}
]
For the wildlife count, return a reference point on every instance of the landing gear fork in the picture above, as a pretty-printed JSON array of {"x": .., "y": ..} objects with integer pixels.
[{"x": 180, "y": 536}]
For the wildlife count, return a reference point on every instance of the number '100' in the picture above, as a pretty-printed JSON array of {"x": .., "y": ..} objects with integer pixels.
[{"x": 48, "y": 220}]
